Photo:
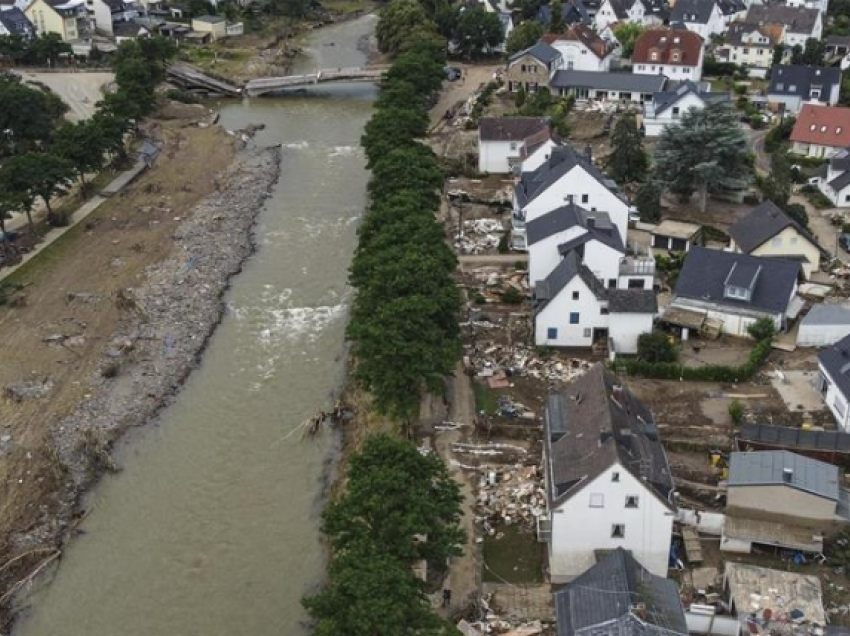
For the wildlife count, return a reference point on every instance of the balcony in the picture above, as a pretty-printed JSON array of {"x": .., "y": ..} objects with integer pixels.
[
  {"x": 544, "y": 529},
  {"x": 637, "y": 266}
]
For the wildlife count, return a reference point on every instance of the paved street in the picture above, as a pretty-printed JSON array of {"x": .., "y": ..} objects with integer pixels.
[{"x": 81, "y": 91}]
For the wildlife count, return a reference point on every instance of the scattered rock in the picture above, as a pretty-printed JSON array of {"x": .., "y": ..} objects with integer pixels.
[{"x": 29, "y": 389}]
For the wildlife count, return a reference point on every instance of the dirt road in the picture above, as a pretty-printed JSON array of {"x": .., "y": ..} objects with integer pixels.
[
  {"x": 81, "y": 91},
  {"x": 474, "y": 75}
]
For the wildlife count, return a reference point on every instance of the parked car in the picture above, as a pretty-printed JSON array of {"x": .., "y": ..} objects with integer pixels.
[{"x": 453, "y": 73}]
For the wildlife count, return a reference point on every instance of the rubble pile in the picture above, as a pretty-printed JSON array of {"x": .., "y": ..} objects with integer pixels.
[
  {"x": 498, "y": 363},
  {"x": 479, "y": 236},
  {"x": 509, "y": 495},
  {"x": 490, "y": 282},
  {"x": 490, "y": 622}
]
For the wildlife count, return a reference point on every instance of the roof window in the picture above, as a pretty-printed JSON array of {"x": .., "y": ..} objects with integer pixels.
[
  {"x": 813, "y": 127},
  {"x": 838, "y": 130},
  {"x": 823, "y": 128}
]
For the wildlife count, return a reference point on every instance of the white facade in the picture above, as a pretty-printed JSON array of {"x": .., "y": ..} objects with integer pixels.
[
  {"x": 625, "y": 329},
  {"x": 734, "y": 322},
  {"x": 572, "y": 318},
  {"x": 676, "y": 72},
  {"x": 539, "y": 156},
  {"x": 715, "y": 24},
  {"x": 840, "y": 196},
  {"x": 835, "y": 400},
  {"x": 606, "y": 15},
  {"x": 496, "y": 156},
  {"x": 818, "y": 151},
  {"x": 584, "y": 190},
  {"x": 577, "y": 56},
  {"x": 654, "y": 123},
  {"x": 793, "y": 38},
  {"x": 543, "y": 256},
  {"x": 593, "y": 518}
]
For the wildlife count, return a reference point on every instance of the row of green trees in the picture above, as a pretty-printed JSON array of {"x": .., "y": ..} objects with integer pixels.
[
  {"x": 400, "y": 507},
  {"x": 47, "y": 157},
  {"x": 42, "y": 50},
  {"x": 404, "y": 322}
]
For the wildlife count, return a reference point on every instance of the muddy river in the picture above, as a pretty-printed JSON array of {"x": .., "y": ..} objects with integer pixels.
[{"x": 211, "y": 528}]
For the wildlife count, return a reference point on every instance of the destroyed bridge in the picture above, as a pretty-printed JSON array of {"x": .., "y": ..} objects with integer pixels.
[{"x": 192, "y": 78}]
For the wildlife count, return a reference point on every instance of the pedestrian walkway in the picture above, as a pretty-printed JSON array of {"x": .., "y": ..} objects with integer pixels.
[{"x": 116, "y": 185}]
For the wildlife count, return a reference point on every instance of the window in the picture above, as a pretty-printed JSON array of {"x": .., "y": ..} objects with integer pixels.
[
  {"x": 675, "y": 111},
  {"x": 838, "y": 130},
  {"x": 631, "y": 501},
  {"x": 587, "y": 333},
  {"x": 603, "y": 311},
  {"x": 793, "y": 240},
  {"x": 780, "y": 86},
  {"x": 573, "y": 317},
  {"x": 635, "y": 283},
  {"x": 675, "y": 56},
  {"x": 792, "y": 88},
  {"x": 653, "y": 56},
  {"x": 513, "y": 145},
  {"x": 814, "y": 93},
  {"x": 612, "y": 282},
  {"x": 575, "y": 295},
  {"x": 597, "y": 500},
  {"x": 777, "y": 241},
  {"x": 823, "y": 128},
  {"x": 846, "y": 198},
  {"x": 813, "y": 127},
  {"x": 615, "y": 477},
  {"x": 746, "y": 51},
  {"x": 522, "y": 68},
  {"x": 618, "y": 531},
  {"x": 585, "y": 198},
  {"x": 552, "y": 333}
]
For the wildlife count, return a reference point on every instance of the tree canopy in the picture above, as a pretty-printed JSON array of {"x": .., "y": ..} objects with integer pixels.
[
  {"x": 526, "y": 34},
  {"x": 707, "y": 151},
  {"x": 628, "y": 161},
  {"x": 397, "y": 23},
  {"x": 627, "y": 34},
  {"x": 478, "y": 31}
]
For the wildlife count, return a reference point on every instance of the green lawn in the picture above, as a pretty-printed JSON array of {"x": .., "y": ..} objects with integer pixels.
[
  {"x": 485, "y": 399},
  {"x": 516, "y": 558}
]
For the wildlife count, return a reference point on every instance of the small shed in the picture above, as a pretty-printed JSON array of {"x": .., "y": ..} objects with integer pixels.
[
  {"x": 215, "y": 25},
  {"x": 676, "y": 236},
  {"x": 824, "y": 325}
]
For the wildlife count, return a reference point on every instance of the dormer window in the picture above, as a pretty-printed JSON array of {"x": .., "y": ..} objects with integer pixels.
[
  {"x": 823, "y": 128},
  {"x": 653, "y": 56},
  {"x": 739, "y": 293},
  {"x": 741, "y": 281},
  {"x": 675, "y": 56},
  {"x": 813, "y": 127},
  {"x": 838, "y": 130}
]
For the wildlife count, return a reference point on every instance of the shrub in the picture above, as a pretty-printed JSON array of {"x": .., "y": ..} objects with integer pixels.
[
  {"x": 762, "y": 329},
  {"x": 656, "y": 346},
  {"x": 512, "y": 296},
  {"x": 504, "y": 244},
  {"x": 740, "y": 89},
  {"x": 736, "y": 411},
  {"x": 181, "y": 96}
]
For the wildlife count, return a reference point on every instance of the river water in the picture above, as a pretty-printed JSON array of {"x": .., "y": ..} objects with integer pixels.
[{"x": 212, "y": 527}]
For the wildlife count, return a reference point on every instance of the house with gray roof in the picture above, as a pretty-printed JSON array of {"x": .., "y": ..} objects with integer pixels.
[
  {"x": 13, "y": 21},
  {"x": 703, "y": 17},
  {"x": 781, "y": 499},
  {"x": 825, "y": 324},
  {"x": 795, "y": 85},
  {"x": 667, "y": 107},
  {"x": 635, "y": 602},
  {"x": 727, "y": 292},
  {"x": 801, "y": 23},
  {"x": 502, "y": 140},
  {"x": 834, "y": 381},
  {"x": 620, "y": 87},
  {"x": 833, "y": 179},
  {"x": 768, "y": 231},
  {"x": 532, "y": 68},
  {"x": 608, "y": 482}
]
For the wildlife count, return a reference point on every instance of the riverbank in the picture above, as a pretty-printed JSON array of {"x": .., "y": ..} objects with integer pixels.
[{"x": 111, "y": 322}]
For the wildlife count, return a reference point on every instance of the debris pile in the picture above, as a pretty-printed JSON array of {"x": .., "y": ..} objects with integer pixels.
[
  {"x": 27, "y": 389},
  {"x": 479, "y": 236},
  {"x": 489, "y": 282},
  {"x": 497, "y": 363},
  {"x": 509, "y": 495},
  {"x": 491, "y": 622}
]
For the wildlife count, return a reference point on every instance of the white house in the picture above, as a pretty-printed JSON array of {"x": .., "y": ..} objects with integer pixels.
[
  {"x": 821, "y": 131},
  {"x": 607, "y": 478},
  {"x": 796, "y": 85},
  {"x": 13, "y": 21},
  {"x": 581, "y": 49},
  {"x": 533, "y": 156},
  {"x": 611, "y": 11},
  {"x": 834, "y": 381},
  {"x": 566, "y": 176},
  {"x": 676, "y": 53},
  {"x": 108, "y": 12},
  {"x": 833, "y": 179},
  {"x": 703, "y": 17},
  {"x": 751, "y": 45},
  {"x": 501, "y": 141},
  {"x": 668, "y": 107},
  {"x": 733, "y": 291},
  {"x": 824, "y": 325},
  {"x": 613, "y": 87},
  {"x": 800, "y": 23}
]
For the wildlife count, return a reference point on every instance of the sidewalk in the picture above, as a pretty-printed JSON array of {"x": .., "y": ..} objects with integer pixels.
[{"x": 115, "y": 186}]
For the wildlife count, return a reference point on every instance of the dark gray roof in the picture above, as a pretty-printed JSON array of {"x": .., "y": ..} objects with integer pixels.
[
  {"x": 540, "y": 51},
  {"x": 694, "y": 11},
  {"x": 16, "y": 22},
  {"x": 596, "y": 424},
  {"x": 827, "y": 315},
  {"x": 560, "y": 162},
  {"x": 796, "y": 19},
  {"x": 570, "y": 266},
  {"x": 128, "y": 29},
  {"x": 787, "y": 79},
  {"x": 770, "y": 468},
  {"x": 632, "y": 301},
  {"x": 658, "y": 8},
  {"x": 763, "y": 222},
  {"x": 704, "y": 273},
  {"x": 619, "y": 597},
  {"x": 510, "y": 128},
  {"x": 629, "y": 82},
  {"x": 666, "y": 99},
  {"x": 621, "y": 8},
  {"x": 840, "y": 182},
  {"x": 835, "y": 360},
  {"x": 796, "y": 438},
  {"x": 744, "y": 275},
  {"x": 597, "y": 224},
  {"x": 731, "y": 7}
]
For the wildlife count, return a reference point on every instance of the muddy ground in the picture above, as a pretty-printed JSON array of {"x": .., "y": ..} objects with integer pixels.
[{"x": 84, "y": 324}]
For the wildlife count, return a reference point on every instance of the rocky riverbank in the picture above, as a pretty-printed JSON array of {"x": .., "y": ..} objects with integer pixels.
[{"x": 163, "y": 327}]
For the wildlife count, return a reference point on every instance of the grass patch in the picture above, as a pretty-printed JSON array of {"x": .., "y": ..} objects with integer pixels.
[
  {"x": 485, "y": 399},
  {"x": 516, "y": 557},
  {"x": 45, "y": 258}
]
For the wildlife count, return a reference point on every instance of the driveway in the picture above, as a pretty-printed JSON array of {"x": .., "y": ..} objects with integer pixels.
[
  {"x": 757, "y": 142},
  {"x": 81, "y": 91}
]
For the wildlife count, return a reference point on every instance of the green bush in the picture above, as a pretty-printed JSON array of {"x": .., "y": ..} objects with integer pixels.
[
  {"x": 740, "y": 89},
  {"x": 736, "y": 411},
  {"x": 178, "y": 95},
  {"x": 656, "y": 346},
  {"x": 762, "y": 329},
  {"x": 504, "y": 243},
  {"x": 512, "y": 296}
]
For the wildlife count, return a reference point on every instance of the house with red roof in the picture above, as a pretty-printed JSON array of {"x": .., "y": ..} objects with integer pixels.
[
  {"x": 821, "y": 131},
  {"x": 676, "y": 53},
  {"x": 581, "y": 49}
]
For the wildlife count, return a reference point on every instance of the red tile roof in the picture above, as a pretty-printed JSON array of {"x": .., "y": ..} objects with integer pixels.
[
  {"x": 585, "y": 35},
  {"x": 823, "y": 125},
  {"x": 672, "y": 46}
]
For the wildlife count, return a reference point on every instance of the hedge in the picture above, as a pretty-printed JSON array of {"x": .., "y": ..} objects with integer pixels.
[{"x": 709, "y": 373}]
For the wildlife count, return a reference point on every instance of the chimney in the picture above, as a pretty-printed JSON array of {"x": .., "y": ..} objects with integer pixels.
[
  {"x": 588, "y": 153},
  {"x": 788, "y": 475},
  {"x": 591, "y": 223}
]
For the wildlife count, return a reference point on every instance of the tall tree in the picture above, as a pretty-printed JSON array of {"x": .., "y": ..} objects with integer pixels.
[
  {"x": 17, "y": 194},
  {"x": 397, "y": 21},
  {"x": 707, "y": 151},
  {"x": 420, "y": 70},
  {"x": 478, "y": 31},
  {"x": 628, "y": 161},
  {"x": 556, "y": 24},
  {"x": 648, "y": 202},
  {"x": 412, "y": 168},
  {"x": 391, "y": 128},
  {"x": 776, "y": 186},
  {"x": 81, "y": 144},
  {"x": 40, "y": 174},
  {"x": 523, "y": 36},
  {"x": 27, "y": 116},
  {"x": 627, "y": 34}
]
